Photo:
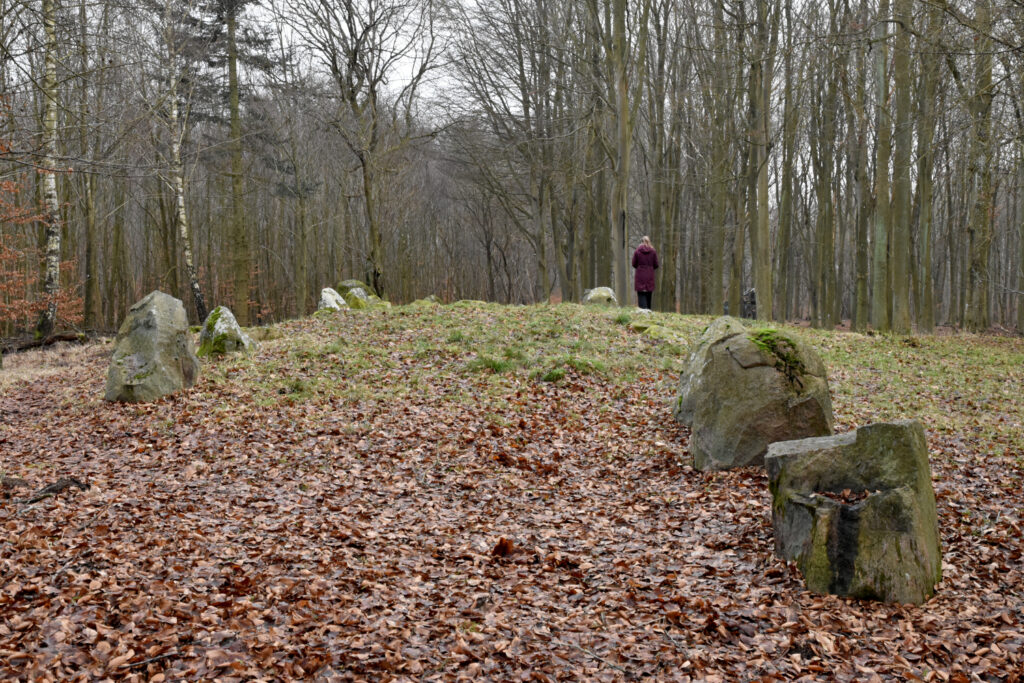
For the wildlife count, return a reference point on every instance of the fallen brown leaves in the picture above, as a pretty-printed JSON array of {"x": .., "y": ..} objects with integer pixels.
[{"x": 423, "y": 539}]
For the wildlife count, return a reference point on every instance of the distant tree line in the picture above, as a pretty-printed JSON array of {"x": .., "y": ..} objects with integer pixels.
[{"x": 845, "y": 159}]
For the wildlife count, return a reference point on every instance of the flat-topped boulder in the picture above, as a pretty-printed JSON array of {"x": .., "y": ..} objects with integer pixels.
[
  {"x": 221, "y": 334},
  {"x": 153, "y": 353},
  {"x": 743, "y": 389},
  {"x": 856, "y": 512}
]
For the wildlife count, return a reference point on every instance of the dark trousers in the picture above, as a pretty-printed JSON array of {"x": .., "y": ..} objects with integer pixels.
[{"x": 643, "y": 300}]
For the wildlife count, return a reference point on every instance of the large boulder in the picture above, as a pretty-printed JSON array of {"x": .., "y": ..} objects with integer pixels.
[
  {"x": 330, "y": 300},
  {"x": 857, "y": 512},
  {"x": 221, "y": 334},
  {"x": 603, "y": 296},
  {"x": 744, "y": 389},
  {"x": 153, "y": 353}
]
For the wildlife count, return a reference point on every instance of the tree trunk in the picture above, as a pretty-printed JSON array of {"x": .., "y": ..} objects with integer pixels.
[
  {"x": 789, "y": 128},
  {"x": 239, "y": 231},
  {"x": 925, "y": 169},
  {"x": 51, "y": 205},
  {"x": 760, "y": 232},
  {"x": 882, "y": 215},
  {"x": 861, "y": 298},
  {"x": 979, "y": 227},
  {"x": 900, "y": 248},
  {"x": 619, "y": 205},
  {"x": 180, "y": 216}
]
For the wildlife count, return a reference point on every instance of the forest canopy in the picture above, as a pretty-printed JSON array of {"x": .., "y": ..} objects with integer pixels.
[{"x": 853, "y": 160}]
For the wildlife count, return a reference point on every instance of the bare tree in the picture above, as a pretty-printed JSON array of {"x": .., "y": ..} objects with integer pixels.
[
  {"x": 49, "y": 171},
  {"x": 378, "y": 52}
]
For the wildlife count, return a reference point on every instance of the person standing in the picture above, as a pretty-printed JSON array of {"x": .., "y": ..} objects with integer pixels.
[{"x": 645, "y": 261}]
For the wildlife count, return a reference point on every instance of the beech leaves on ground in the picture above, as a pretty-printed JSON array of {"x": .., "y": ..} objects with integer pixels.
[{"x": 484, "y": 492}]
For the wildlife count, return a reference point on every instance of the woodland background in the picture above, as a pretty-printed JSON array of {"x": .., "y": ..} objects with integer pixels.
[{"x": 847, "y": 159}]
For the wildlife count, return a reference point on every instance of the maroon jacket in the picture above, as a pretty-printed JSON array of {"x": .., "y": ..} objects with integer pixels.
[{"x": 645, "y": 260}]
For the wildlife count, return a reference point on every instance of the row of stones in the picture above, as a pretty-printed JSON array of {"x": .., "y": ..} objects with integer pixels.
[
  {"x": 856, "y": 511},
  {"x": 153, "y": 354}
]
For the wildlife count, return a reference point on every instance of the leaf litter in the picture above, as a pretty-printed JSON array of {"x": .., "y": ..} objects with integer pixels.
[{"x": 409, "y": 514}]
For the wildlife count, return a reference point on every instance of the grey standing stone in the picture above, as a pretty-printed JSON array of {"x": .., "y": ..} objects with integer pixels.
[
  {"x": 153, "y": 353},
  {"x": 744, "y": 389},
  {"x": 330, "y": 300},
  {"x": 857, "y": 512}
]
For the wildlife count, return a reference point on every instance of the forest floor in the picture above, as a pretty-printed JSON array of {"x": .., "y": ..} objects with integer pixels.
[{"x": 478, "y": 491}]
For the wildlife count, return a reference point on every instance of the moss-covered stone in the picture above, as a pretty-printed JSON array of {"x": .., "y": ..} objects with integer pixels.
[
  {"x": 426, "y": 302},
  {"x": 345, "y": 286},
  {"x": 660, "y": 332},
  {"x": 881, "y": 543},
  {"x": 221, "y": 334},
  {"x": 358, "y": 298}
]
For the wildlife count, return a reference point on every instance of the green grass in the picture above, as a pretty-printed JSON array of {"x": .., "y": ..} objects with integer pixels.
[{"x": 478, "y": 354}]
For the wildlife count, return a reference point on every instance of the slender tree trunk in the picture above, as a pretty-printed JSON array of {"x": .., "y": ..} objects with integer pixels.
[
  {"x": 789, "y": 126},
  {"x": 180, "y": 216},
  {"x": 861, "y": 298},
  {"x": 900, "y": 248},
  {"x": 51, "y": 205},
  {"x": 738, "y": 249},
  {"x": 239, "y": 230},
  {"x": 1020, "y": 245},
  {"x": 925, "y": 168},
  {"x": 760, "y": 231},
  {"x": 91, "y": 288},
  {"x": 979, "y": 227},
  {"x": 619, "y": 205},
  {"x": 880, "y": 295}
]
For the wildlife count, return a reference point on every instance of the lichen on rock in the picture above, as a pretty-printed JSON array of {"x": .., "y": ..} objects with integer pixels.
[{"x": 785, "y": 352}]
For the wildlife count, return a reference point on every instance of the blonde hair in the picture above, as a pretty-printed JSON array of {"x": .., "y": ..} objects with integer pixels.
[{"x": 646, "y": 240}]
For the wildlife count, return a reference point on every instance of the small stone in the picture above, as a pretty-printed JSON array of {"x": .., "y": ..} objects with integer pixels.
[{"x": 600, "y": 296}]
